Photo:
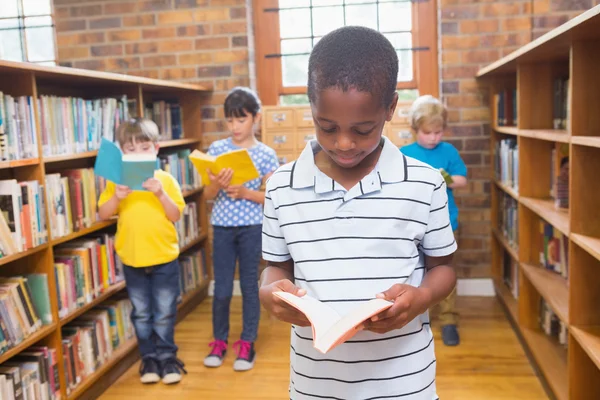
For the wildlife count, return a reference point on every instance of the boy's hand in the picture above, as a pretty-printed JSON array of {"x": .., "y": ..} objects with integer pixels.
[
  {"x": 153, "y": 185},
  {"x": 237, "y": 192},
  {"x": 223, "y": 178},
  {"x": 409, "y": 302},
  {"x": 122, "y": 191},
  {"x": 279, "y": 308}
]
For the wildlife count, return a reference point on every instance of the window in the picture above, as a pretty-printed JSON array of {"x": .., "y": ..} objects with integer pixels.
[
  {"x": 287, "y": 30},
  {"x": 27, "y": 31}
]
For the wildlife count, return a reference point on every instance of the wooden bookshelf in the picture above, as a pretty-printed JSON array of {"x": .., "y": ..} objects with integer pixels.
[
  {"x": 23, "y": 79},
  {"x": 570, "y": 370}
]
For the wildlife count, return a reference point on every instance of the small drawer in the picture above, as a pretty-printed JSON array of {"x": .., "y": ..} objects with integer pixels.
[
  {"x": 303, "y": 137},
  {"x": 402, "y": 114},
  {"x": 400, "y": 135},
  {"x": 285, "y": 157},
  {"x": 279, "y": 118},
  {"x": 281, "y": 141},
  {"x": 304, "y": 118}
]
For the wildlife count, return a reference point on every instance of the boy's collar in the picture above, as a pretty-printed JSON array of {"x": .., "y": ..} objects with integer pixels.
[{"x": 391, "y": 167}]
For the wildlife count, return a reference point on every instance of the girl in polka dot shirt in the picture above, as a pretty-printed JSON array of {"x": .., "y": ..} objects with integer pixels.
[{"x": 237, "y": 225}]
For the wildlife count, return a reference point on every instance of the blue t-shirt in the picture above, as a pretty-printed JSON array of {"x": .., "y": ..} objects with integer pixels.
[
  {"x": 229, "y": 212},
  {"x": 444, "y": 155}
]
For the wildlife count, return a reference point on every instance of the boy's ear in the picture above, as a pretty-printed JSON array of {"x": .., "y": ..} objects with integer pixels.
[{"x": 392, "y": 108}]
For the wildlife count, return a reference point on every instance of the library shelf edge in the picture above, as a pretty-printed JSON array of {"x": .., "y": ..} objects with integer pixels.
[
  {"x": 507, "y": 298},
  {"x": 589, "y": 339},
  {"x": 108, "y": 292},
  {"x": 507, "y": 130},
  {"x": 29, "y": 341},
  {"x": 551, "y": 286},
  {"x": 19, "y": 163},
  {"x": 512, "y": 192},
  {"x": 127, "y": 349},
  {"x": 589, "y": 244},
  {"x": 590, "y": 141},
  {"x": 83, "y": 232},
  {"x": 559, "y": 218},
  {"x": 22, "y": 254},
  {"x": 552, "y": 135}
]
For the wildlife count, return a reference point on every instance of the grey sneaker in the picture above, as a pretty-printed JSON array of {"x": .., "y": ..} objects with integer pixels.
[
  {"x": 149, "y": 371},
  {"x": 215, "y": 358},
  {"x": 245, "y": 355}
]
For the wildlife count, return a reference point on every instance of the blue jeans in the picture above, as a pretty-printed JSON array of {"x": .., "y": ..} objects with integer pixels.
[
  {"x": 153, "y": 292},
  {"x": 242, "y": 243}
]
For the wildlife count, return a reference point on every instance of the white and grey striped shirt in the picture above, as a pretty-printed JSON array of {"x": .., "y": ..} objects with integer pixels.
[{"x": 347, "y": 246}]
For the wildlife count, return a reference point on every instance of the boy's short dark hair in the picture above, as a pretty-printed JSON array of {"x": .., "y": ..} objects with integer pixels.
[
  {"x": 240, "y": 101},
  {"x": 354, "y": 57}
]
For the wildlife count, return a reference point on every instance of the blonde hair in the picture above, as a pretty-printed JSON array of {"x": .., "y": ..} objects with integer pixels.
[
  {"x": 137, "y": 130},
  {"x": 427, "y": 110}
]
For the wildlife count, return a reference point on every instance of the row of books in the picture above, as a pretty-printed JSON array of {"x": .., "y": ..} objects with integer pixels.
[
  {"x": 18, "y": 133},
  {"x": 554, "y": 251},
  {"x": 85, "y": 269},
  {"x": 505, "y": 102},
  {"x": 22, "y": 217},
  {"x": 188, "y": 228},
  {"x": 506, "y": 159},
  {"x": 179, "y": 165},
  {"x": 560, "y": 103},
  {"x": 168, "y": 116},
  {"x": 559, "y": 176},
  {"x": 71, "y": 125},
  {"x": 552, "y": 326},
  {"x": 508, "y": 219},
  {"x": 31, "y": 375},
  {"x": 510, "y": 273},
  {"x": 24, "y": 308},
  {"x": 90, "y": 340},
  {"x": 193, "y": 271}
]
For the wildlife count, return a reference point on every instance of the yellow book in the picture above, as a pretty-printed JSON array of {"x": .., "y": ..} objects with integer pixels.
[
  {"x": 105, "y": 279},
  {"x": 239, "y": 161}
]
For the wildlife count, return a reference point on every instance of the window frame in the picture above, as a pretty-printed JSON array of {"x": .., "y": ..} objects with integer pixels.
[
  {"x": 268, "y": 41},
  {"x": 23, "y": 32}
]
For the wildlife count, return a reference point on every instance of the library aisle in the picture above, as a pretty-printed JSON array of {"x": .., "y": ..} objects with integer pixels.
[{"x": 489, "y": 364}]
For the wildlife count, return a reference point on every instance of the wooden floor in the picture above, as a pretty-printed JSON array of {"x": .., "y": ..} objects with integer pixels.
[{"x": 489, "y": 364}]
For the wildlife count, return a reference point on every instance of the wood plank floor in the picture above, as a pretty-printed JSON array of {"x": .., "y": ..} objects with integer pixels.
[{"x": 489, "y": 364}]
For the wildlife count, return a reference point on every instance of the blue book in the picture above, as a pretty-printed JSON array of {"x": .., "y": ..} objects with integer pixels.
[{"x": 130, "y": 170}]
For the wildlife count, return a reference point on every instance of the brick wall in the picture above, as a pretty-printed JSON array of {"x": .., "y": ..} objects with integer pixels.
[
  {"x": 474, "y": 34},
  {"x": 197, "y": 41}
]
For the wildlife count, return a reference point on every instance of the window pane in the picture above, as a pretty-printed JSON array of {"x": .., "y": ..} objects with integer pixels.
[
  {"x": 40, "y": 44},
  {"x": 405, "y": 57},
  {"x": 294, "y": 70},
  {"x": 295, "y": 46},
  {"x": 293, "y": 99},
  {"x": 10, "y": 45},
  {"x": 394, "y": 17},
  {"x": 294, "y": 23},
  {"x": 327, "y": 19},
  {"x": 38, "y": 21},
  {"x": 365, "y": 15},
  {"x": 293, "y": 3},
  {"x": 36, "y": 7},
  {"x": 9, "y": 8},
  {"x": 407, "y": 94},
  {"x": 327, "y": 2}
]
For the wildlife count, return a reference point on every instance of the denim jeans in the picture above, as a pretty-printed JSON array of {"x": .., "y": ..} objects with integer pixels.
[
  {"x": 242, "y": 243},
  {"x": 153, "y": 292}
]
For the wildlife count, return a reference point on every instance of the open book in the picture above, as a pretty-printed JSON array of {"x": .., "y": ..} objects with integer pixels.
[
  {"x": 130, "y": 170},
  {"x": 329, "y": 328},
  {"x": 239, "y": 161}
]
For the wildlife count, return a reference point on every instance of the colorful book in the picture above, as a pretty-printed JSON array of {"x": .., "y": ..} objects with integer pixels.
[
  {"x": 239, "y": 161},
  {"x": 130, "y": 170},
  {"x": 329, "y": 328}
]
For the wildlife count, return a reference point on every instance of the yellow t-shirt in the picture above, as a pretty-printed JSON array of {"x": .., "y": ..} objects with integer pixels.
[{"x": 145, "y": 236}]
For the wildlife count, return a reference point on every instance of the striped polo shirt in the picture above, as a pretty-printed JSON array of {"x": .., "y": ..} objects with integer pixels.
[{"x": 347, "y": 246}]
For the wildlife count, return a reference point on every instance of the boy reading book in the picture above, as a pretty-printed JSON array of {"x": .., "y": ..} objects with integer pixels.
[
  {"x": 352, "y": 220},
  {"x": 236, "y": 218},
  {"x": 146, "y": 241},
  {"x": 429, "y": 118}
]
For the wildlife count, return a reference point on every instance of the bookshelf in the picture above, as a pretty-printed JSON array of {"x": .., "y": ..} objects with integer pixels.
[
  {"x": 557, "y": 254},
  {"x": 34, "y": 81}
]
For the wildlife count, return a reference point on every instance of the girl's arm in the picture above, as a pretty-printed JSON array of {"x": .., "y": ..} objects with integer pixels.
[
  {"x": 217, "y": 182},
  {"x": 242, "y": 192}
]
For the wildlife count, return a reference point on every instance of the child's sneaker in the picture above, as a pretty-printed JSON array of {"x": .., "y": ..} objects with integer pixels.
[
  {"x": 171, "y": 370},
  {"x": 217, "y": 354},
  {"x": 245, "y": 355},
  {"x": 149, "y": 370}
]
